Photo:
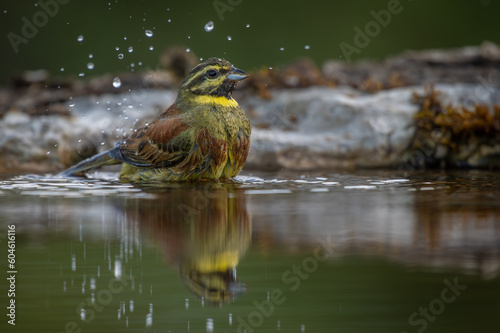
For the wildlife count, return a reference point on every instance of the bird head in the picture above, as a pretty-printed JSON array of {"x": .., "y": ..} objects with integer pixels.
[{"x": 214, "y": 77}]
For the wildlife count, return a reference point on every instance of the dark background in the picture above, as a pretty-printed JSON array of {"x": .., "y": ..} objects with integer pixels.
[{"x": 323, "y": 25}]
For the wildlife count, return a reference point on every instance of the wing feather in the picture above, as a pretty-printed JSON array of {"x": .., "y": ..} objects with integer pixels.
[{"x": 164, "y": 143}]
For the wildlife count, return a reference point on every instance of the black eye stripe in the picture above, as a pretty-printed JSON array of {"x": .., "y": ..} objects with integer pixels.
[{"x": 197, "y": 80}]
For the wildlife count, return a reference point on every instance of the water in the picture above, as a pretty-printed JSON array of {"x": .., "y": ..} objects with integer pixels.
[
  {"x": 117, "y": 83},
  {"x": 316, "y": 252},
  {"x": 209, "y": 26}
]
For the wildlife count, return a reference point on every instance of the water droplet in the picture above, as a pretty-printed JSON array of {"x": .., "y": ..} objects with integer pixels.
[
  {"x": 229, "y": 38},
  {"x": 189, "y": 37},
  {"x": 282, "y": 49},
  {"x": 62, "y": 69},
  {"x": 169, "y": 20},
  {"x": 91, "y": 56},
  {"x": 117, "y": 83},
  {"x": 90, "y": 65},
  {"x": 80, "y": 38},
  {"x": 307, "y": 47},
  {"x": 130, "y": 49},
  {"x": 209, "y": 26},
  {"x": 188, "y": 50},
  {"x": 149, "y": 33},
  {"x": 125, "y": 38},
  {"x": 149, "y": 320},
  {"x": 81, "y": 74},
  {"x": 118, "y": 266},
  {"x": 210, "y": 325},
  {"x": 120, "y": 56},
  {"x": 247, "y": 26},
  {"x": 117, "y": 48},
  {"x": 48, "y": 153},
  {"x": 151, "y": 48},
  {"x": 102, "y": 143},
  {"x": 71, "y": 104},
  {"x": 5, "y": 11}
]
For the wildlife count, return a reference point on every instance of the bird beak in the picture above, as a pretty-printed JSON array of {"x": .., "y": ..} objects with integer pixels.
[{"x": 237, "y": 74}]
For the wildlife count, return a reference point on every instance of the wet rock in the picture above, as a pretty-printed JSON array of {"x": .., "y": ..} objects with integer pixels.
[
  {"x": 304, "y": 129},
  {"x": 323, "y": 128},
  {"x": 474, "y": 65},
  {"x": 28, "y": 145},
  {"x": 301, "y": 73},
  {"x": 95, "y": 124},
  {"x": 29, "y": 78},
  {"x": 454, "y": 135},
  {"x": 301, "y": 120}
]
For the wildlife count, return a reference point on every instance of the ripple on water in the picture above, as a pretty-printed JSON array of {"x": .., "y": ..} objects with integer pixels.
[
  {"x": 68, "y": 188},
  {"x": 106, "y": 184}
]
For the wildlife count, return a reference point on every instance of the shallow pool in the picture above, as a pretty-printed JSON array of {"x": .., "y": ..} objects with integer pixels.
[{"x": 372, "y": 251}]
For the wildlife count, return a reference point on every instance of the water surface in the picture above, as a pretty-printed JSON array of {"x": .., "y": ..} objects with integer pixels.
[{"x": 346, "y": 252}]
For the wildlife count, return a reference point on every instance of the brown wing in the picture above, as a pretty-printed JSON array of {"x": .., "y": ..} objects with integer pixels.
[{"x": 163, "y": 143}]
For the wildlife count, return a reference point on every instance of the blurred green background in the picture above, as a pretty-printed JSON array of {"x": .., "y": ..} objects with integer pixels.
[{"x": 278, "y": 31}]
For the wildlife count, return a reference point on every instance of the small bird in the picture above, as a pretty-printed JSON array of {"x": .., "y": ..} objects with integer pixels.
[{"x": 203, "y": 135}]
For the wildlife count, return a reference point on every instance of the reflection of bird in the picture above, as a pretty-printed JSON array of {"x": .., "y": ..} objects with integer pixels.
[
  {"x": 203, "y": 135},
  {"x": 204, "y": 231}
]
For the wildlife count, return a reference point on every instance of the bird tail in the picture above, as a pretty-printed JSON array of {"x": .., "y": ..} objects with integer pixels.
[{"x": 95, "y": 161}]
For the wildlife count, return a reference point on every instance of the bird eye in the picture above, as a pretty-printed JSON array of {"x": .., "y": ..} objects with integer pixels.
[{"x": 212, "y": 73}]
